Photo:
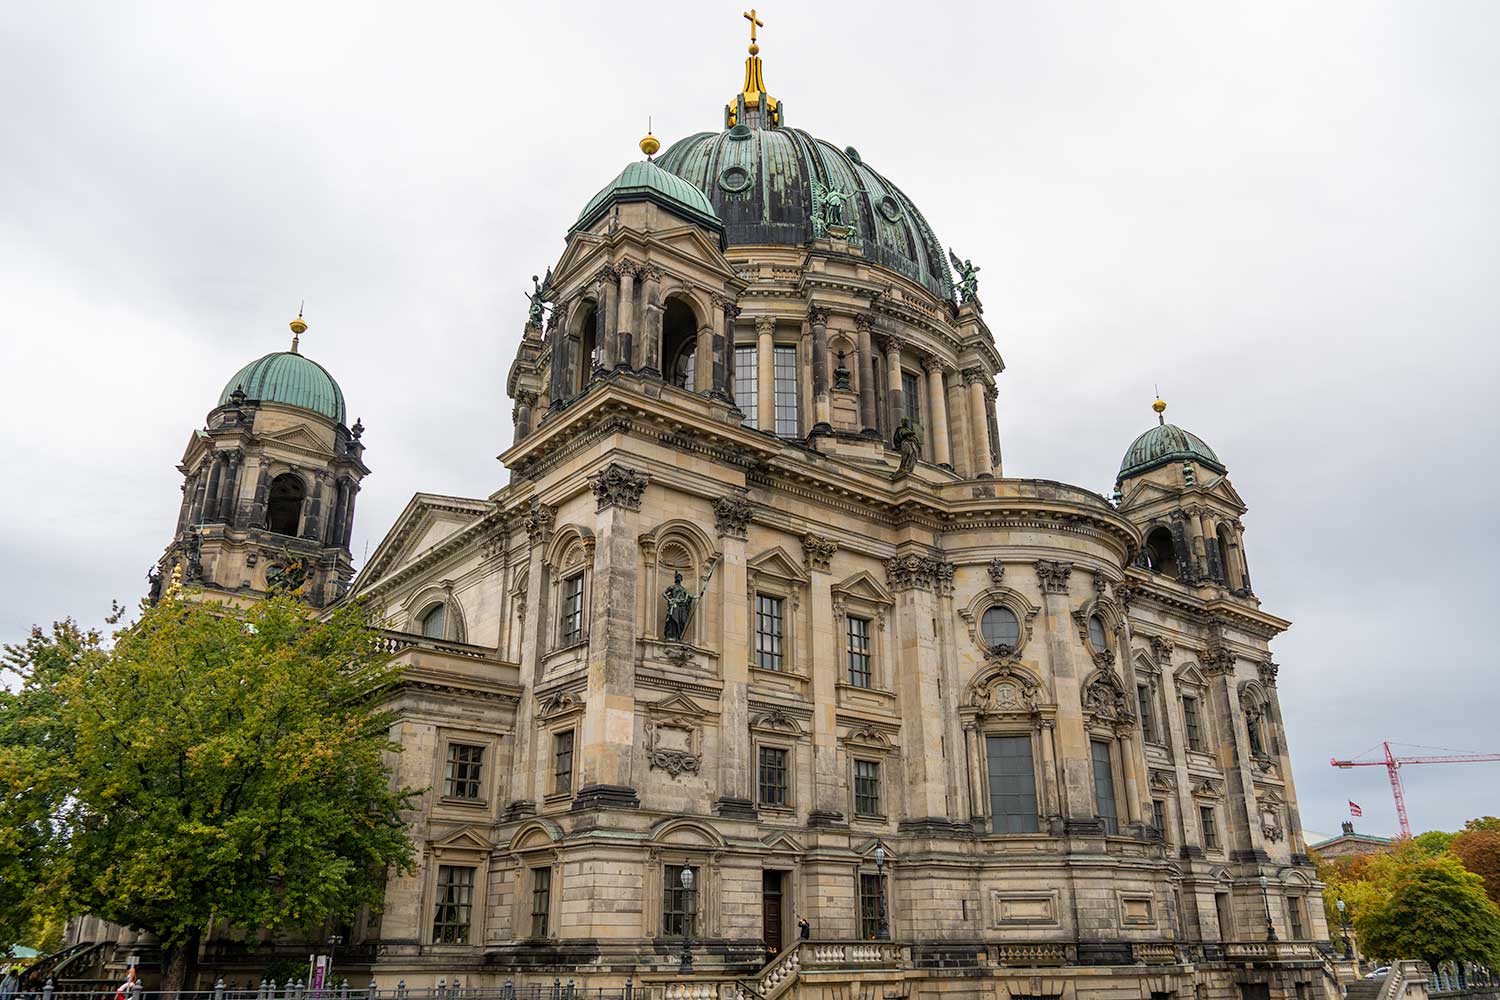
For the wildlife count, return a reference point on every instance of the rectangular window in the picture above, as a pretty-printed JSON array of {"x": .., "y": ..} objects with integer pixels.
[
  {"x": 1012, "y": 784},
  {"x": 1210, "y": 828},
  {"x": 562, "y": 761},
  {"x": 572, "y": 610},
  {"x": 1104, "y": 787},
  {"x": 461, "y": 778},
  {"x": 1190, "y": 723},
  {"x": 859, "y": 652},
  {"x": 678, "y": 906},
  {"x": 911, "y": 398},
  {"x": 1221, "y": 910},
  {"x": 1148, "y": 722},
  {"x": 747, "y": 384},
  {"x": 866, "y": 788},
  {"x": 787, "y": 422},
  {"x": 541, "y": 900},
  {"x": 1294, "y": 917},
  {"x": 455, "y": 904},
  {"x": 869, "y": 906},
  {"x": 768, "y": 621},
  {"x": 1159, "y": 817},
  {"x": 773, "y": 780}
]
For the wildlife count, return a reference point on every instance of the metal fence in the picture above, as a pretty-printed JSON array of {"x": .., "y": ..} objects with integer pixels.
[{"x": 556, "y": 989}]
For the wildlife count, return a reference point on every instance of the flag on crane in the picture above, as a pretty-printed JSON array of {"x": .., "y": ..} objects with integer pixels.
[{"x": 1355, "y": 810}]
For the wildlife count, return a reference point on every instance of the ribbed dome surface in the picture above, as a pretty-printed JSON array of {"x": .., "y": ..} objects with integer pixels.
[
  {"x": 284, "y": 377},
  {"x": 760, "y": 182},
  {"x": 645, "y": 181},
  {"x": 1166, "y": 443}
]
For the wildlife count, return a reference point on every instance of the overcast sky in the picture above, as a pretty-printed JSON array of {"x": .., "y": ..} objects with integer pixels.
[{"x": 1283, "y": 214}]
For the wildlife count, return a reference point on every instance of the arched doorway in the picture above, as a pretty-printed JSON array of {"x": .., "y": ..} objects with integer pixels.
[{"x": 284, "y": 511}]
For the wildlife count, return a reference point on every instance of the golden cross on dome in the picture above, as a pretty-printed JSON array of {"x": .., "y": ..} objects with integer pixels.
[{"x": 755, "y": 22}]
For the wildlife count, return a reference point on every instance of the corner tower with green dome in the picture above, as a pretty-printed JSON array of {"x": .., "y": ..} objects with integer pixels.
[{"x": 269, "y": 485}]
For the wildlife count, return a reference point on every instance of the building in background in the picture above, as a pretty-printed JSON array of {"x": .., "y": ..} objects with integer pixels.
[{"x": 1349, "y": 844}]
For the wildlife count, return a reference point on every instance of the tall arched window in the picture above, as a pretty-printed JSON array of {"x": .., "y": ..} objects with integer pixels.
[
  {"x": 679, "y": 344},
  {"x": 1224, "y": 566},
  {"x": 1161, "y": 556},
  {"x": 435, "y": 622},
  {"x": 284, "y": 511},
  {"x": 586, "y": 347}
]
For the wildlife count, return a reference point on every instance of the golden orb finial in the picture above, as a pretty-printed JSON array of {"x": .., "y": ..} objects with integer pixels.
[
  {"x": 649, "y": 145},
  {"x": 299, "y": 327},
  {"x": 1159, "y": 406}
]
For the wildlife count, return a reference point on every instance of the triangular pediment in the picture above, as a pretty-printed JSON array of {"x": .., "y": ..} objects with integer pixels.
[
  {"x": 299, "y": 437},
  {"x": 1223, "y": 489},
  {"x": 692, "y": 242},
  {"x": 428, "y": 520},
  {"x": 863, "y": 586},
  {"x": 677, "y": 704},
  {"x": 777, "y": 564},
  {"x": 465, "y": 838},
  {"x": 1146, "y": 491},
  {"x": 1189, "y": 674},
  {"x": 784, "y": 843},
  {"x": 577, "y": 256}
]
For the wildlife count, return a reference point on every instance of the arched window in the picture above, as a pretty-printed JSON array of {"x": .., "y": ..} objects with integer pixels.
[
  {"x": 586, "y": 347},
  {"x": 284, "y": 512},
  {"x": 1000, "y": 627},
  {"x": 679, "y": 344},
  {"x": 435, "y": 622},
  {"x": 1223, "y": 541},
  {"x": 1161, "y": 557},
  {"x": 1098, "y": 634}
]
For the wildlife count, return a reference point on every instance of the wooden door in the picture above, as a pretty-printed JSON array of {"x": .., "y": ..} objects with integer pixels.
[{"x": 771, "y": 911}]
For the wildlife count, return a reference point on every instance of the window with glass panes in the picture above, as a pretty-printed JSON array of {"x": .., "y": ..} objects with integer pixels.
[
  {"x": 1159, "y": 817},
  {"x": 571, "y": 623},
  {"x": 1294, "y": 916},
  {"x": 1191, "y": 724},
  {"x": 541, "y": 900},
  {"x": 1098, "y": 634},
  {"x": 1148, "y": 721},
  {"x": 869, "y": 906},
  {"x": 455, "y": 904},
  {"x": 676, "y": 900},
  {"x": 746, "y": 383},
  {"x": 785, "y": 364},
  {"x": 1012, "y": 784},
  {"x": 1210, "y": 825},
  {"x": 858, "y": 631},
  {"x": 773, "y": 777},
  {"x": 867, "y": 787},
  {"x": 461, "y": 777},
  {"x": 999, "y": 626},
  {"x": 911, "y": 398},
  {"x": 768, "y": 631},
  {"x": 562, "y": 761},
  {"x": 1104, "y": 787}
]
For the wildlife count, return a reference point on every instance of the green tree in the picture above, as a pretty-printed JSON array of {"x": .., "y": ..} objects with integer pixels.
[
  {"x": 1437, "y": 911},
  {"x": 1433, "y": 842},
  {"x": 204, "y": 766}
]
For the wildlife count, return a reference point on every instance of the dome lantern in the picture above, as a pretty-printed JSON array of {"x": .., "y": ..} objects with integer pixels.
[
  {"x": 1166, "y": 444},
  {"x": 289, "y": 378}
]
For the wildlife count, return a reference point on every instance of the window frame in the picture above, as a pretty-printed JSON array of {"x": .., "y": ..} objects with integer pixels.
[
  {"x": 1030, "y": 737},
  {"x": 436, "y": 607},
  {"x": 440, "y": 905},
  {"x": 567, "y": 638},
  {"x": 911, "y": 401},
  {"x": 451, "y": 781},
  {"x": 1296, "y": 924},
  {"x": 867, "y": 652},
  {"x": 671, "y": 886},
  {"x": 869, "y": 915},
  {"x": 747, "y": 388},
  {"x": 1111, "y": 821},
  {"x": 788, "y": 754},
  {"x": 1194, "y": 734},
  {"x": 855, "y": 793},
  {"x": 555, "y": 773},
  {"x": 546, "y": 894},
  {"x": 786, "y": 426},
  {"x": 782, "y": 659},
  {"x": 1208, "y": 828}
]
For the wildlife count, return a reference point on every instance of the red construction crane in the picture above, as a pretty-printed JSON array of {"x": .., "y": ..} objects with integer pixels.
[{"x": 1393, "y": 765}]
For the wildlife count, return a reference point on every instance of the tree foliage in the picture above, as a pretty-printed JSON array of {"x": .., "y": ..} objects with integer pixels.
[
  {"x": 1437, "y": 911},
  {"x": 1479, "y": 849},
  {"x": 204, "y": 766}
]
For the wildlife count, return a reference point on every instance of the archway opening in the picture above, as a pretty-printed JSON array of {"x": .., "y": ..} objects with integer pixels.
[
  {"x": 679, "y": 344},
  {"x": 284, "y": 511},
  {"x": 435, "y": 622},
  {"x": 585, "y": 347},
  {"x": 1161, "y": 556}
]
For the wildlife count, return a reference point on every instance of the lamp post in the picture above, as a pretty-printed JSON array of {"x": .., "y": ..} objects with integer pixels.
[
  {"x": 334, "y": 940},
  {"x": 687, "y": 920},
  {"x": 1265, "y": 897},
  {"x": 1344, "y": 925},
  {"x": 883, "y": 932}
]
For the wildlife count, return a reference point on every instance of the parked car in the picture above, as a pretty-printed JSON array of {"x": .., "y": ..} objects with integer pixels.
[{"x": 1380, "y": 973}]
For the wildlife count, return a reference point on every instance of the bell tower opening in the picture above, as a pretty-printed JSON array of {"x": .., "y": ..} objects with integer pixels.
[
  {"x": 284, "y": 511},
  {"x": 585, "y": 347},
  {"x": 679, "y": 344},
  {"x": 1161, "y": 557}
]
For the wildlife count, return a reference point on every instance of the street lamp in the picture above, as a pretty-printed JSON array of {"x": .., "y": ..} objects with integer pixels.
[
  {"x": 1344, "y": 924},
  {"x": 1265, "y": 897},
  {"x": 334, "y": 940},
  {"x": 687, "y": 920},
  {"x": 883, "y": 932}
]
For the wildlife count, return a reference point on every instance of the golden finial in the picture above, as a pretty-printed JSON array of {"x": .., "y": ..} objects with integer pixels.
[
  {"x": 1160, "y": 407},
  {"x": 650, "y": 144},
  {"x": 298, "y": 326},
  {"x": 753, "y": 96},
  {"x": 174, "y": 589},
  {"x": 755, "y": 22}
]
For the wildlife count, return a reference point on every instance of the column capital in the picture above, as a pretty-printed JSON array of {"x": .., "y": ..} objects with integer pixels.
[
  {"x": 892, "y": 344},
  {"x": 817, "y": 315},
  {"x": 990, "y": 391},
  {"x": 607, "y": 275},
  {"x": 932, "y": 363},
  {"x": 650, "y": 272},
  {"x": 539, "y": 521},
  {"x": 864, "y": 322},
  {"x": 618, "y": 486},
  {"x": 973, "y": 375},
  {"x": 765, "y": 324},
  {"x": 625, "y": 266},
  {"x": 526, "y": 397},
  {"x": 1053, "y": 575},
  {"x": 732, "y": 515},
  {"x": 818, "y": 551}
]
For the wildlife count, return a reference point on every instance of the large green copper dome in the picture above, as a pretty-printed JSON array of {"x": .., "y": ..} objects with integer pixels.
[
  {"x": 645, "y": 181},
  {"x": 1163, "y": 444},
  {"x": 287, "y": 377}
]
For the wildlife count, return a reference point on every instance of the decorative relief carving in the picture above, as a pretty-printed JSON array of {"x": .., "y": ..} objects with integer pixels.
[
  {"x": 627, "y": 266},
  {"x": 732, "y": 515},
  {"x": 539, "y": 521},
  {"x": 921, "y": 572},
  {"x": 1162, "y": 650},
  {"x": 942, "y": 578},
  {"x": 558, "y": 703},
  {"x": 818, "y": 551},
  {"x": 618, "y": 486},
  {"x": 673, "y": 745},
  {"x": 1104, "y": 699},
  {"x": 817, "y": 315},
  {"x": 1208, "y": 788},
  {"x": 1004, "y": 690},
  {"x": 1100, "y": 583},
  {"x": 1163, "y": 781},
  {"x": 864, "y": 322},
  {"x": 607, "y": 275},
  {"x": 1268, "y": 671},
  {"x": 1216, "y": 660},
  {"x": 776, "y": 720},
  {"x": 651, "y": 272},
  {"x": 997, "y": 571},
  {"x": 1053, "y": 575}
]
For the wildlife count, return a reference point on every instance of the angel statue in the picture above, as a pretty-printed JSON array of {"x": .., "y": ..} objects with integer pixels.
[
  {"x": 968, "y": 278},
  {"x": 828, "y": 207},
  {"x": 538, "y": 297}
]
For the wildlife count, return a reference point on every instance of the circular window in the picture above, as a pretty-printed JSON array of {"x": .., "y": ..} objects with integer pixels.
[
  {"x": 999, "y": 626},
  {"x": 1098, "y": 634},
  {"x": 734, "y": 179},
  {"x": 852, "y": 153},
  {"x": 889, "y": 208},
  {"x": 739, "y": 133}
]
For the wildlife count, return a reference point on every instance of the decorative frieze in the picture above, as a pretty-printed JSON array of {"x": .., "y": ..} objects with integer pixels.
[
  {"x": 818, "y": 551},
  {"x": 1053, "y": 575},
  {"x": 618, "y": 486},
  {"x": 919, "y": 572}
]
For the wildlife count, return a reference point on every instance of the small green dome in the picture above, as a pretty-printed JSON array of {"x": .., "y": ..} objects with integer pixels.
[
  {"x": 1164, "y": 444},
  {"x": 289, "y": 378},
  {"x": 645, "y": 181}
]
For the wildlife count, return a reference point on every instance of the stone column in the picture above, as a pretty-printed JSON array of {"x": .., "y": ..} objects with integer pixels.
[
  {"x": 215, "y": 476},
  {"x": 993, "y": 425},
  {"x": 609, "y": 319},
  {"x": 558, "y": 389},
  {"x": 937, "y": 405},
  {"x": 822, "y": 405},
  {"x": 625, "y": 334},
  {"x": 765, "y": 372},
  {"x": 894, "y": 395},
  {"x": 200, "y": 492},
  {"x": 230, "y": 501},
  {"x": 703, "y": 360},
  {"x": 960, "y": 804},
  {"x": 1069, "y": 667},
  {"x": 828, "y": 800},
  {"x": 608, "y": 737},
  {"x": 1197, "y": 566},
  {"x": 918, "y": 683},
  {"x": 958, "y": 423},
  {"x": 349, "y": 516},
  {"x": 1216, "y": 569},
  {"x": 650, "y": 349},
  {"x": 312, "y": 521},
  {"x": 865, "y": 325},
  {"x": 805, "y": 408},
  {"x": 335, "y": 529},
  {"x": 979, "y": 439},
  {"x": 524, "y": 763},
  {"x": 1244, "y": 567},
  {"x": 525, "y": 400},
  {"x": 726, "y": 351},
  {"x": 736, "y": 769},
  {"x": 185, "y": 508},
  {"x": 1051, "y": 799}
]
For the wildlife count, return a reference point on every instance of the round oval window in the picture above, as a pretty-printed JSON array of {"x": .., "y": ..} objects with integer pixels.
[
  {"x": 889, "y": 208},
  {"x": 1098, "y": 635},
  {"x": 1000, "y": 627},
  {"x": 734, "y": 179}
]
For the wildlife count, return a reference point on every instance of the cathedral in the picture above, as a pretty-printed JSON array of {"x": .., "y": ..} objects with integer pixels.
[{"x": 760, "y": 677}]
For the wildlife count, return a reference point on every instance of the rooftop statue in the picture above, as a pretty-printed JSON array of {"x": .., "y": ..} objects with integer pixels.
[
  {"x": 968, "y": 278},
  {"x": 539, "y": 296},
  {"x": 908, "y": 441}
]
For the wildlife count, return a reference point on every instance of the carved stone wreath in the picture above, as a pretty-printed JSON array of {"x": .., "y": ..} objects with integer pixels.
[{"x": 672, "y": 745}]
